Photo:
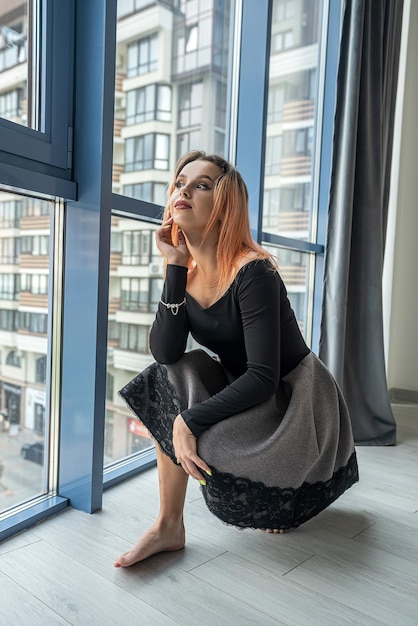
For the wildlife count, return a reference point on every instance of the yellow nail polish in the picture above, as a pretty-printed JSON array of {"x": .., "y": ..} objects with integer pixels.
[
  {"x": 209, "y": 472},
  {"x": 202, "y": 482}
]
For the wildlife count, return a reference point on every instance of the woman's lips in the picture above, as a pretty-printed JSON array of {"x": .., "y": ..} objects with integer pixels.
[{"x": 181, "y": 204}]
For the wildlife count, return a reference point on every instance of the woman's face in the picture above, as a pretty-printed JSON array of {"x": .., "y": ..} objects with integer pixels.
[{"x": 191, "y": 202}]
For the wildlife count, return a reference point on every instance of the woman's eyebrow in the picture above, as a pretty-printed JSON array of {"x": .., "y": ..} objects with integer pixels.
[{"x": 199, "y": 176}]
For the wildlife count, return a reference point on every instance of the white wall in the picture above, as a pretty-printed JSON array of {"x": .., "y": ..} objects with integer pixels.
[{"x": 401, "y": 266}]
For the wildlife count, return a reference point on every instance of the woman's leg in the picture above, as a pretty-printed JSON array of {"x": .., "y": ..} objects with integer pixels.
[{"x": 167, "y": 533}]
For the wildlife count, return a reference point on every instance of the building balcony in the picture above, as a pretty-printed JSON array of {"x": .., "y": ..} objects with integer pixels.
[
  {"x": 114, "y": 305},
  {"x": 293, "y": 275},
  {"x": 32, "y": 261},
  {"x": 116, "y": 172},
  {"x": 119, "y": 78},
  {"x": 35, "y": 300},
  {"x": 117, "y": 128},
  {"x": 115, "y": 261},
  {"x": 298, "y": 110},
  {"x": 293, "y": 220},
  {"x": 295, "y": 166},
  {"x": 35, "y": 222}
]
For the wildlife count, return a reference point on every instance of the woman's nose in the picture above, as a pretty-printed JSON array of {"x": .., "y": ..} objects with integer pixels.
[{"x": 184, "y": 191}]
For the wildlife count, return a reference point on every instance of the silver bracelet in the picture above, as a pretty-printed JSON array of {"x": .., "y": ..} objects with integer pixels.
[{"x": 174, "y": 308}]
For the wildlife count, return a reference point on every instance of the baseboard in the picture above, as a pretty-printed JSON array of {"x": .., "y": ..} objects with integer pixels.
[{"x": 404, "y": 396}]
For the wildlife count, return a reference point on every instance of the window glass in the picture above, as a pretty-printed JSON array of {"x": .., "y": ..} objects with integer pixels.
[
  {"x": 170, "y": 90},
  {"x": 136, "y": 280},
  {"x": 25, "y": 229},
  {"x": 20, "y": 61},
  {"x": 295, "y": 270},
  {"x": 291, "y": 128}
]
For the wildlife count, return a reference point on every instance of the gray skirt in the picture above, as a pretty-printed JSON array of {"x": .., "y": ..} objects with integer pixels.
[{"x": 275, "y": 465}]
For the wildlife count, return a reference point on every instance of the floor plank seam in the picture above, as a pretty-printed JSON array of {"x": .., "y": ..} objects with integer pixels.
[
  {"x": 364, "y": 530},
  {"x": 299, "y": 564},
  {"x": 213, "y": 558}
]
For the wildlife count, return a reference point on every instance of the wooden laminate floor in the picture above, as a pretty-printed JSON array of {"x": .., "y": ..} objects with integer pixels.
[{"x": 355, "y": 563}]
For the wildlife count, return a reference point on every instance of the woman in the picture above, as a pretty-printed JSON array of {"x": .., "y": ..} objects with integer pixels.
[{"x": 263, "y": 426}]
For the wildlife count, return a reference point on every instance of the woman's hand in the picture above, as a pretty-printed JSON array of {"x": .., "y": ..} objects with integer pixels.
[
  {"x": 175, "y": 254},
  {"x": 185, "y": 448}
]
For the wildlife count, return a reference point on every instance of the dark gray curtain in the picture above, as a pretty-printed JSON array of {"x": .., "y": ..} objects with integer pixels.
[{"x": 351, "y": 341}]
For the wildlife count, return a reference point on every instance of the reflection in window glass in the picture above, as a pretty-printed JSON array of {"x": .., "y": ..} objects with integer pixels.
[
  {"x": 135, "y": 285},
  {"x": 25, "y": 228},
  {"x": 292, "y": 102},
  {"x": 170, "y": 89},
  {"x": 19, "y": 63},
  {"x": 294, "y": 268}
]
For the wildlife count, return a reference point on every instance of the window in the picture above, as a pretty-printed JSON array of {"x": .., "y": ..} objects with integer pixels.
[
  {"x": 293, "y": 97},
  {"x": 152, "y": 102},
  {"x": 9, "y": 286},
  {"x": 9, "y": 250},
  {"x": 33, "y": 323},
  {"x": 36, "y": 71},
  {"x": 190, "y": 105},
  {"x": 149, "y": 191},
  {"x": 14, "y": 359},
  {"x": 188, "y": 141},
  {"x": 283, "y": 10},
  {"x": 11, "y": 104},
  {"x": 36, "y": 245},
  {"x": 8, "y": 320},
  {"x": 134, "y": 338},
  {"x": 136, "y": 247},
  {"x": 40, "y": 370},
  {"x": 138, "y": 294},
  {"x": 273, "y": 155},
  {"x": 143, "y": 56},
  {"x": 147, "y": 152},
  {"x": 282, "y": 41},
  {"x": 34, "y": 283},
  {"x": 10, "y": 212},
  {"x": 276, "y": 100}
]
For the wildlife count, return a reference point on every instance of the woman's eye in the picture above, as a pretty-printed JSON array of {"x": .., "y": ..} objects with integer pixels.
[
  {"x": 178, "y": 184},
  {"x": 202, "y": 186}
]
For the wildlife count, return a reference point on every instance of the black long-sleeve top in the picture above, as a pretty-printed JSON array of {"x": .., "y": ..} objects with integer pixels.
[{"x": 251, "y": 328}]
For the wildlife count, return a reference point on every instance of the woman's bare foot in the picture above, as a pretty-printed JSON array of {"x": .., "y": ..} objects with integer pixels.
[
  {"x": 161, "y": 537},
  {"x": 280, "y": 531}
]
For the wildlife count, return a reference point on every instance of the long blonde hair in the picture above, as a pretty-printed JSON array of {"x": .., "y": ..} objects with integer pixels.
[{"x": 229, "y": 215}]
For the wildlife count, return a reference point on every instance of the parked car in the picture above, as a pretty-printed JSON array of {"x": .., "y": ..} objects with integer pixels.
[{"x": 33, "y": 452}]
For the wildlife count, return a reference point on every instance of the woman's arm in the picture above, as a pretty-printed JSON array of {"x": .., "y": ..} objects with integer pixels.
[
  {"x": 169, "y": 332},
  {"x": 258, "y": 293}
]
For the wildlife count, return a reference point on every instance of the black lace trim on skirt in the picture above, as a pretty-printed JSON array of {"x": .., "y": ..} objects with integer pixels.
[{"x": 247, "y": 504}]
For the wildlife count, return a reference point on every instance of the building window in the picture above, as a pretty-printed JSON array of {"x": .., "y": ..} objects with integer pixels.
[
  {"x": 37, "y": 245},
  {"x": 273, "y": 155},
  {"x": 8, "y": 320},
  {"x": 9, "y": 250},
  {"x": 9, "y": 286},
  {"x": 34, "y": 283},
  {"x": 142, "y": 56},
  {"x": 147, "y": 152},
  {"x": 39, "y": 414},
  {"x": 134, "y": 337},
  {"x": 40, "y": 370},
  {"x": 137, "y": 294},
  {"x": 150, "y": 192},
  {"x": 188, "y": 141},
  {"x": 36, "y": 323},
  {"x": 110, "y": 386},
  {"x": 277, "y": 98},
  {"x": 282, "y": 41},
  {"x": 152, "y": 102},
  {"x": 13, "y": 359},
  {"x": 11, "y": 104},
  {"x": 10, "y": 212},
  {"x": 190, "y": 105},
  {"x": 283, "y": 10},
  {"x": 136, "y": 247}
]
